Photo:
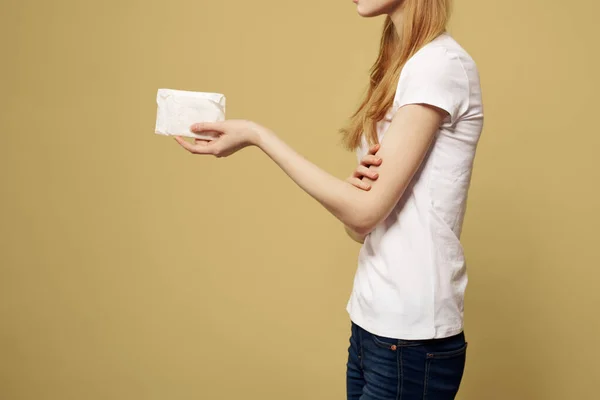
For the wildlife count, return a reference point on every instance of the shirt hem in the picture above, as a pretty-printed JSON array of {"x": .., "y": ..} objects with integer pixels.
[{"x": 435, "y": 333}]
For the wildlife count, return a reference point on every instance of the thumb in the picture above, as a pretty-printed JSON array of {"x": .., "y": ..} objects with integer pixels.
[{"x": 201, "y": 127}]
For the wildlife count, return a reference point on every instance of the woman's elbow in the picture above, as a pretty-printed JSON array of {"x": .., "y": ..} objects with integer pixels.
[
  {"x": 366, "y": 215},
  {"x": 364, "y": 223},
  {"x": 362, "y": 231}
]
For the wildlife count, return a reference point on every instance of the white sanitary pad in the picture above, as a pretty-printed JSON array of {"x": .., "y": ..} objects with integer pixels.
[{"x": 180, "y": 109}]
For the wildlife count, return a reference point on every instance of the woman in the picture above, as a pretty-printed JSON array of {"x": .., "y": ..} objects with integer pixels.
[{"x": 406, "y": 202}]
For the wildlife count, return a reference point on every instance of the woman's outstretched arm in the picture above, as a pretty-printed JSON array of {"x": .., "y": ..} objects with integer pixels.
[{"x": 404, "y": 147}]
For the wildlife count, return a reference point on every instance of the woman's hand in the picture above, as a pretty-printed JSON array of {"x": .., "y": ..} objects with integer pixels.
[
  {"x": 363, "y": 169},
  {"x": 232, "y": 136},
  {"x": 356, "y": 180}
]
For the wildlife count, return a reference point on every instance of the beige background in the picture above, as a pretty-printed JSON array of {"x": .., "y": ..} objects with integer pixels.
[{"x": 133, "y": 270}]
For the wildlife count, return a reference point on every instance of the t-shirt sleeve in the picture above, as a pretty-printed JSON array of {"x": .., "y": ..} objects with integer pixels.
[{"x": 435, "y": 77}]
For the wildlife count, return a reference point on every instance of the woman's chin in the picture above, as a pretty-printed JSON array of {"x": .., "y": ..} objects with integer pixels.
[{"x": 365, "y": 12}]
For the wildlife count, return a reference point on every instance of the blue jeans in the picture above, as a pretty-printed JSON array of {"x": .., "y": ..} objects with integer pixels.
[{"x": 382, "y": 368}]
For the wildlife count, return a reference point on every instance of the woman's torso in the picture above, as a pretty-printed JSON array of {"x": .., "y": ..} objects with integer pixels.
[{"x": 411, "y": 274}]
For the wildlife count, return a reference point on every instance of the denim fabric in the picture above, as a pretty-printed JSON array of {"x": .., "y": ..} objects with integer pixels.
[{"x": 381, "y": 368}]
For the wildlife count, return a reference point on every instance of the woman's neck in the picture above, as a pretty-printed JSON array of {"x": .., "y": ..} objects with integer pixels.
[{"x": 397, "y": 17}]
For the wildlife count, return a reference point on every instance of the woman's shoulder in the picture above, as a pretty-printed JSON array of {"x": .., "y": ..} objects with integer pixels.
[
  {"x": 442, "y": 52},
  {"x": 442, "y": 74}
]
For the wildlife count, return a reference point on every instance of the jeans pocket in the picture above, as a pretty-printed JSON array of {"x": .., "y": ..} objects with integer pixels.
[
  {"x": 443, "y": 373},
  {"x": 385, "y": 343}
]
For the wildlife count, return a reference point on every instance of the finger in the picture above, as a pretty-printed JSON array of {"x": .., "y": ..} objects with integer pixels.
[
  {"x": 201, "y": 142},
  {"x": 202, "y": 127},
  {"x": 360, "y": 184},
  {"x": 194, "y": 148},
  {"x": 185, "y": 144},
  {"x": 371, "y": 160},
  {"x": 361, "y": 170},
  {"x": 374, "y": 149}
]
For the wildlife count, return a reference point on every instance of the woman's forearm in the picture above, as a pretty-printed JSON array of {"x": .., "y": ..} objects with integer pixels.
[{"x": 346, "y": 202}]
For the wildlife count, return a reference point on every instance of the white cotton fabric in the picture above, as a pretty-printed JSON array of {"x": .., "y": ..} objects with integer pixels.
[{"x": 411, "y": 276}]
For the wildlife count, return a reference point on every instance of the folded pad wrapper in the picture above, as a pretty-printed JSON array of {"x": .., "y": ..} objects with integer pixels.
[{"x": 178, "y": 110}]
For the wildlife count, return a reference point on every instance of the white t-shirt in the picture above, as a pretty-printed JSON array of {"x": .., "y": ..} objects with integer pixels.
[{"x": 411, "y": 275}]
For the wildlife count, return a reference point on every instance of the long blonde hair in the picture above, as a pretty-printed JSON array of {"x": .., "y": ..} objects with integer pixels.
[{"x": 424, "y": 20}]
